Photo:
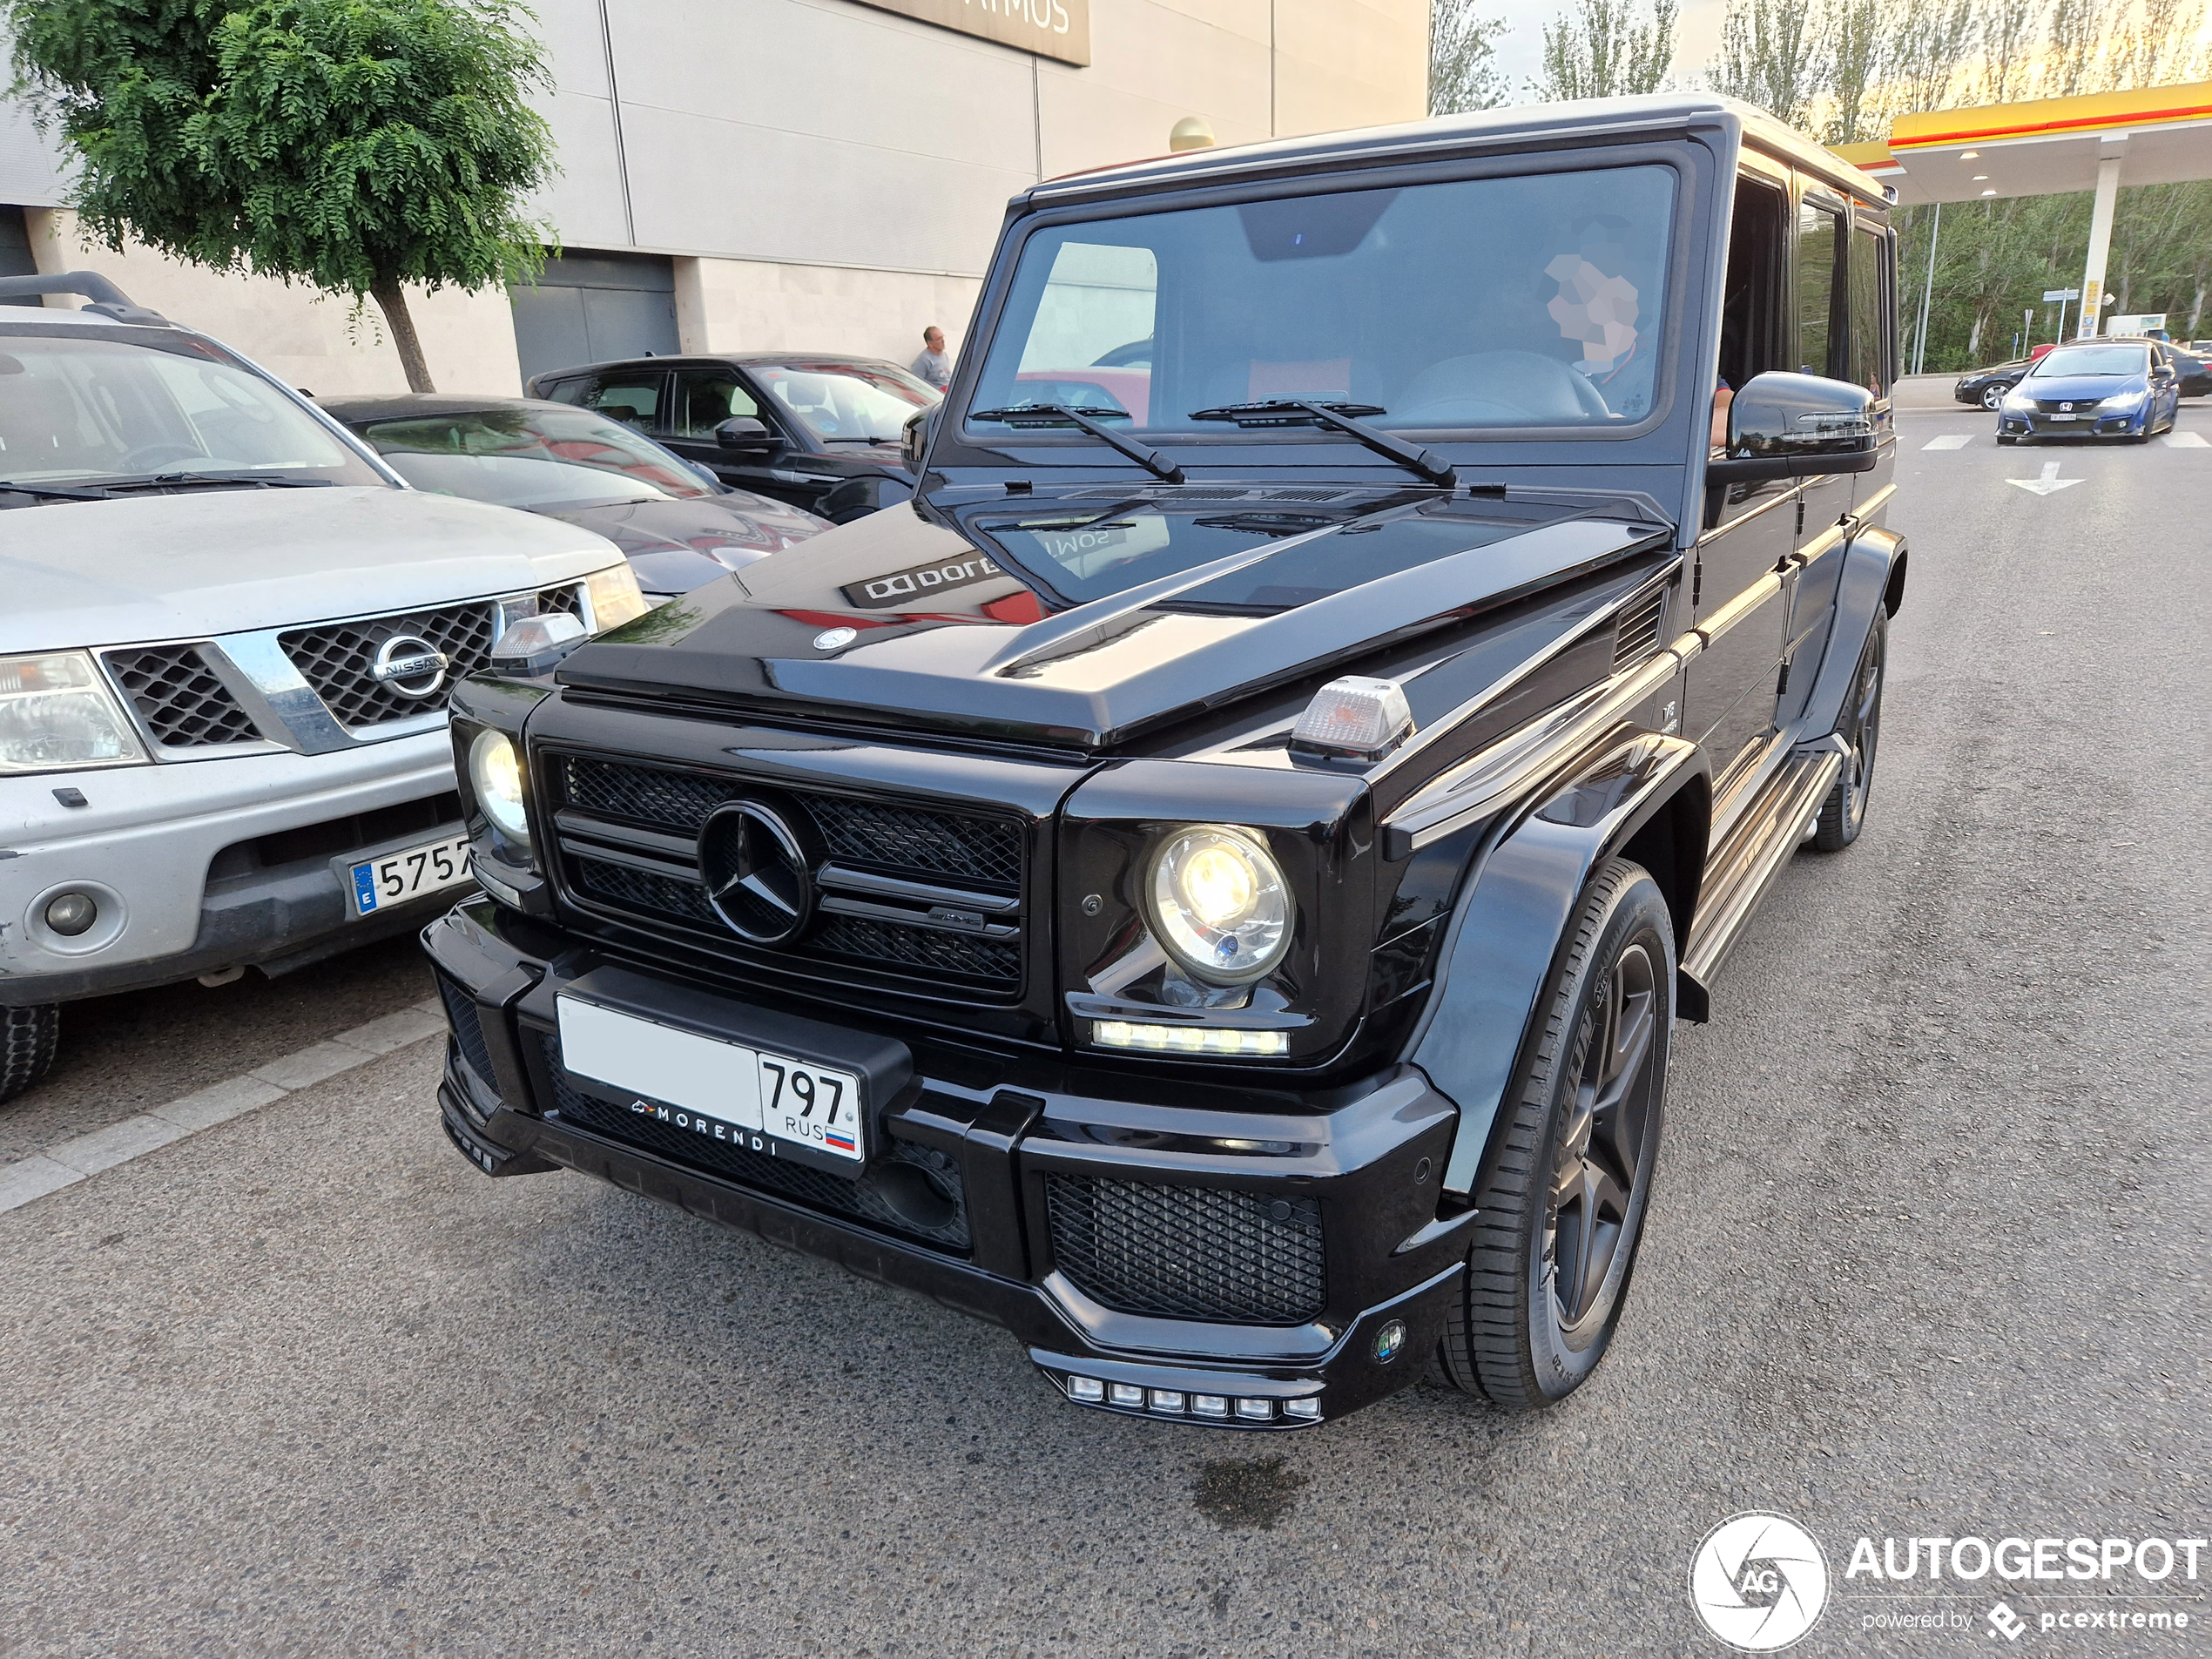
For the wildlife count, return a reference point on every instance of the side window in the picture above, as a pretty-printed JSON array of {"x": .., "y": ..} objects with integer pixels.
[
  {"x": 706, "y": 398},
  {"x": 1820, "y": 334},
  {"x": 1869, "y": 316},
  {"x": 1752, "y": 303},
  {"x": 634, "y": 400}
]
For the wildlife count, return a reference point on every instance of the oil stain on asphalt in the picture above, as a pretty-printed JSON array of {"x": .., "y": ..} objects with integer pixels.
[{"x": 1237, "y": 1492}]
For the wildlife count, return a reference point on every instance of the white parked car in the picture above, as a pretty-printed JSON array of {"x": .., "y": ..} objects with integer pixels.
[{"x": 226, "y": 639}]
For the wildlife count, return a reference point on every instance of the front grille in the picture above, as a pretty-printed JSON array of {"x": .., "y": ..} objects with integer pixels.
[
  {"x": 961, "y": 851},
  {"x": 1211, "y": 1253},
  {"x": 183, "y": 705},
  {"x": 860, "y": 1200},
  {"x": 1636, "y": 635},
  {"x": 336, "y": 658}
]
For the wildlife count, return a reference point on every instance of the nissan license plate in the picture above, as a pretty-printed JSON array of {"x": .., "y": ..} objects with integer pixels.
[
  {"x": 395, "y": 877},
  {"x": 713, "y": 1087}
]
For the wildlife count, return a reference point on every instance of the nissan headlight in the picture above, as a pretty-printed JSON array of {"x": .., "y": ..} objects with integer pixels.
[
  {"x": 615, "y": 597},
  {"x": 496, "y": 775},
  {"x": 56, "y": 714},
  {"x": 1218, "y": 903}
]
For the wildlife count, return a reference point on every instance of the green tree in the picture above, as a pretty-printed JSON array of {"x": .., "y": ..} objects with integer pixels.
[
  {"x": 352, "y": 145},
  {"x": 1851, "y": 36},
  {"x": 1770, "y": 56},
  {"x": 1601, "y": 50},
  {"x": 1463, "y": 58}
]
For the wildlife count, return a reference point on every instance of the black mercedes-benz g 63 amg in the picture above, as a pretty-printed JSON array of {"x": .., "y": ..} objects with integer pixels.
[{"x": 1209, "y": 885}]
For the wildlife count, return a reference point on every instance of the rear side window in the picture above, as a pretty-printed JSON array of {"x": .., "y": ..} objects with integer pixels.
[
  {"x": 1870, "y": 365},
  {"x": 633, "y": 399},
  {"x": 1820, "y": 330}
]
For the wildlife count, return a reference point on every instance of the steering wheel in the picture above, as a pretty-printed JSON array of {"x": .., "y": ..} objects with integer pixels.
[
  {"x": 147, "y": 457},
  {"x": 1498, "y": 388}
]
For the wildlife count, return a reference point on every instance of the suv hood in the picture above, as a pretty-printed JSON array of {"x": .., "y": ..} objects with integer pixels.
[
  {"x": 223, "y": 561},
  {"x": 896, "y": 619}
]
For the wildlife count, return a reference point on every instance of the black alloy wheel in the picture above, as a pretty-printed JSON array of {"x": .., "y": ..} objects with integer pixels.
[
  {"x": 1844, "y": 813},
  {"x": 1561, "y": 1212}
]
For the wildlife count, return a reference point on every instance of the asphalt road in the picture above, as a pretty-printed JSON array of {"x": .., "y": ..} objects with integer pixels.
[{"x": 1927, "y": 1256}]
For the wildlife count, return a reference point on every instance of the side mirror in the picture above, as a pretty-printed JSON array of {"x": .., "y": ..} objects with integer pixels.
[
  {"x": 913, "y": 437},
  {"x": 744, "y": 435},
  {"x": 1796, "y": 426}
]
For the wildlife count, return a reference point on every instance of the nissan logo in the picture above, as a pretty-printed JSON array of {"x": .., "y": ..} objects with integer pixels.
[
  {"x": 757, "y": 879},
  {"x": 411, "y": 666}
]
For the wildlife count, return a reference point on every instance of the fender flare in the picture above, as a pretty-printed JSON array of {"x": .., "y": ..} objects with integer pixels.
[
  {"x": 1511, "y": 920},
  {"x": 1873, "y": 578}
]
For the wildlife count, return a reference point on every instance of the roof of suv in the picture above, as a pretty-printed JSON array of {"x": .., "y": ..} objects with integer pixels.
[{"x": 1627, "y": 117}]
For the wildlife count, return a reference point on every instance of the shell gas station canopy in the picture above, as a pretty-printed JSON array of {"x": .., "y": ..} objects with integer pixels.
[{"x": 2158, "y": 135}]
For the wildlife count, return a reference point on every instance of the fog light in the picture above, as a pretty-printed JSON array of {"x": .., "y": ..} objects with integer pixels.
[
  {"x": 1256, "y": 1411},
  {"x": 1166, "y": 1399},
  {"x": 1210, "y": 1405},
  {"x": 1125, "y": 1394},
  {"x": 1188, "y": 1039},
  {"x": 1389, "y": 1340},
  {"x": 1088, "y": 1390},
  {"x": 71, "y": 914},
  {"x": 1309, "y": 1409}
]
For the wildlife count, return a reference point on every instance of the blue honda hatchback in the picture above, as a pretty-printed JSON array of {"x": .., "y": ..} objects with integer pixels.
[{"x": 2096, "y": 389}]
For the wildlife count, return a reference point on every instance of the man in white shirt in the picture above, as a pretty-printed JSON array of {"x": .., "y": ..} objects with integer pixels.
[{"x": 933, "y": 365}]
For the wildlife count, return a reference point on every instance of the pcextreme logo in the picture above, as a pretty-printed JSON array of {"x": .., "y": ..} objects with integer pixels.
[{"x": 1758, "y": 1581}]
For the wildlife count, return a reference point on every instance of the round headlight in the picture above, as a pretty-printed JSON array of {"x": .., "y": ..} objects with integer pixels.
[
  {"x": 1219, "y": 903},
  {"x": 495, "y": 774}
]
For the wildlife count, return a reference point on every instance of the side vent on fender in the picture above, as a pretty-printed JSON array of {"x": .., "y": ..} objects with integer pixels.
[{"x": 1636, "y": 636}]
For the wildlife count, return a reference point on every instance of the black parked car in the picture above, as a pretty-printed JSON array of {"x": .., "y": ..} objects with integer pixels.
[
  {"x": 1213, "y": 890},
  {"x": 678, "y": 527},
  {"x": 1987, "y": 387},
  {"x": 816, "y": 430}
]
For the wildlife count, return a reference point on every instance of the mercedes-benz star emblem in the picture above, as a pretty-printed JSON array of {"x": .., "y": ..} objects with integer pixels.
[
  {"x": 835, "y": 638},
  {"x": 756, "y": 878},
  {"x": 411, "y": 666}
]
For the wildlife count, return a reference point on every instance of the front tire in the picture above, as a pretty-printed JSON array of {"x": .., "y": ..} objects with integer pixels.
[
  {"x": 1992, "y": 397},
  {"x": 1561, "y": 1215},
  {"x": 1844, "y": 813},
  {"x": 28, "y": 1037}
]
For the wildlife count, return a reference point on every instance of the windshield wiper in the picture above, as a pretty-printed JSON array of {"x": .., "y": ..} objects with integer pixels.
[
  {"x": 869, "y": 438},
  {"x": 58, "y": 492},
  {"x": 1297, "y": 411},
  {"x": 169, "y": 480},
  {"x": 1039, "y": 415}
]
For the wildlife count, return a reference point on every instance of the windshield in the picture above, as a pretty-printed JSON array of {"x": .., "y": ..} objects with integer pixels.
[
  {"x": 531, "y": 458},
  {"x": 845, "y": 403},
  {"x": 96, "y": 409},
  {"x": 1488, "y": 302},
  {"x": 1082, "y": 555},
  {"x": 2092, "y": 360}
]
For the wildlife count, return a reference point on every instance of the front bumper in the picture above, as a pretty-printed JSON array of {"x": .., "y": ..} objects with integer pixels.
[
  {"x": 147, "y": 839},
  {"x": 2091, "y": 423},
  {"x": 1362, "y": 1173}
]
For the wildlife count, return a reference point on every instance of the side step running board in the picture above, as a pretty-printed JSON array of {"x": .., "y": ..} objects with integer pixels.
[{"x": 1740, "y": 870}]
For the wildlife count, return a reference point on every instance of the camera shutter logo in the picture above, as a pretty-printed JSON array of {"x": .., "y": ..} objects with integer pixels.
[
  {"x": 1758, "y": 1581},
  {"x": 411, "y": 666}
]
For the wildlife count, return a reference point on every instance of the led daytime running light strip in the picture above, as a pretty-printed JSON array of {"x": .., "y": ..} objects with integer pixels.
[{"x": 1188, "y": 1039}]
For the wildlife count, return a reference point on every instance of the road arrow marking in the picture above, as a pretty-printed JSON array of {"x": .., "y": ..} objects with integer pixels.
[
  {"x": 2048, "y": 483},
  {"x": 1949, "y": 440},
  {"x": 2186, "y": 441}
]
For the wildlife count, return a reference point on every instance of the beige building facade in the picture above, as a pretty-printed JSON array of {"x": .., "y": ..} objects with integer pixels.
[{"x": 761, "y": 175}]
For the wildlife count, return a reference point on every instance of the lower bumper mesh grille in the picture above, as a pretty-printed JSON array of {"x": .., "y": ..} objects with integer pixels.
[
  {"x": 817, "y": 1188},
  {"x": 468, "y": 1031},
  {"x": 1212, "y": 1253}
]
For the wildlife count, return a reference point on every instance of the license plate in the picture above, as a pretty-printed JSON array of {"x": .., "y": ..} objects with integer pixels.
[
  {"x": 2064, "y": 417},
  {"x": 397, "y": 877},
  {"x": 713, "y": 1087}
]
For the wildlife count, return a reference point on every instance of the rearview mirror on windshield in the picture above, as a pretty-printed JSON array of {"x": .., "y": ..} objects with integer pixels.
[{"x": 1796, "y": 426}]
